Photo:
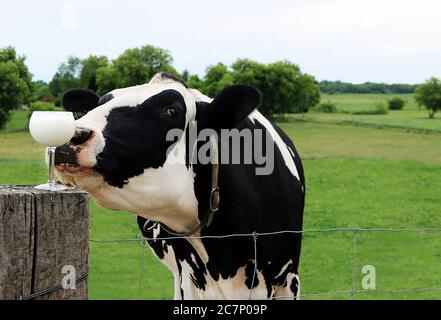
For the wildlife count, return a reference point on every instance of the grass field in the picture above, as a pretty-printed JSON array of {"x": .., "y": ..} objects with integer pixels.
[
  {"x": 18, "y": 122},
  {"x": 357, "y": 176},
  {"x": 411, "y": 118},
  {"x": 353, "y": 102}
]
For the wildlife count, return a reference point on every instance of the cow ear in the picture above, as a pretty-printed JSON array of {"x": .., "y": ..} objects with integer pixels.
[
  {"x": 80, "y": 101},
  {"x": 229, "y": 108}
]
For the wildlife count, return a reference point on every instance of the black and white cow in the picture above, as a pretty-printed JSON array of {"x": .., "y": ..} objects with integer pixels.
[{"x": 119, "y": 155}]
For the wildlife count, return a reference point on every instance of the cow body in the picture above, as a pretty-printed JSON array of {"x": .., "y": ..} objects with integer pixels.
[{"x": 209, "y": 264}]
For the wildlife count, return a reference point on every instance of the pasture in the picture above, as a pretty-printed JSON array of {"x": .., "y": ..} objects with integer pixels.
[
  {"x": 411, "y": 118},
  {"x": 361, "y": 171}
]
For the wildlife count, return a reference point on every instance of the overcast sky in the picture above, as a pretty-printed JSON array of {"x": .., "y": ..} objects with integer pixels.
[{"x": 349, "y": 40}]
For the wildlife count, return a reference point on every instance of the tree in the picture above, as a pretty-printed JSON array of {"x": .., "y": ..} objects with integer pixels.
[
  {"x": 41, "y": 91},
  {"x": 138, "y": 65},
  {"x": 192, "y": 80},
  {"x": 9, "y": 54},
  {"x": 106, "y": 79},
  {"x": 249, "y": 72},
  {"x": 185, "y": 75},
  {"x": 307, "y": 94},
  {"x": 428, "y": 94},
  {"x": 281, "y": 78},
  {"x": 89, "y": 69},
  {"x": 15, "y": 83},
  {"x": 284, "y": 87},
  {"x": 195, "y": 82},
  {"x": 216, "y": 78},
  {"x": 67, "y": 77}
]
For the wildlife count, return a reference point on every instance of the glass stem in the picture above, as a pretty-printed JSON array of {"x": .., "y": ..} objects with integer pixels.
[{"x": 51, "y": 170}]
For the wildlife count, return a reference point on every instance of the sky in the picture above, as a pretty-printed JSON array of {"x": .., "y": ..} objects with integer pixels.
[{"x": 349, "y": 40}]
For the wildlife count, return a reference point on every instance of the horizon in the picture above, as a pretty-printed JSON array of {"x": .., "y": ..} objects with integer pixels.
[{"x": 356, "y": 42}]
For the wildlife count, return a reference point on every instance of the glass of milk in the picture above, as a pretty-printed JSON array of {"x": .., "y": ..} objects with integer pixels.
[{"x": 52, "y": 129}]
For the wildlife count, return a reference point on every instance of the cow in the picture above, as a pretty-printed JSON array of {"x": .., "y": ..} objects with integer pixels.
[{"x": 210, "y": 224}]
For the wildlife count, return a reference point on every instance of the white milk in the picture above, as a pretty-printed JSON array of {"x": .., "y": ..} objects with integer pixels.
[{"x": 52, "y": 128}]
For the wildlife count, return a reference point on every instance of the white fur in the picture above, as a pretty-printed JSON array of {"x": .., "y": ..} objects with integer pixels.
[
  {"x": 283, "y": 148},
  {"x": 284, "y": 268}
]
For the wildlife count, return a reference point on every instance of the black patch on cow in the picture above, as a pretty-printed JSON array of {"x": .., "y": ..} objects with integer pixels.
[
  {"x": 135, "y": 137},
  {"x": 189, "y": 150},
  {"x": 180, "y": 278},
  {"x": 268, "y": 276},
  {"x": 167, "y": 75},
  {"x": 249, "y": 274},
  {"x": 105, "y": 98},
  {"x": 182, "y": 290},
  {"x": 294, "y": 286}
]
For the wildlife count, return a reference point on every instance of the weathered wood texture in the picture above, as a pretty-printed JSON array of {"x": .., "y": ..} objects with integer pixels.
[{"x": 40, "y": 232}]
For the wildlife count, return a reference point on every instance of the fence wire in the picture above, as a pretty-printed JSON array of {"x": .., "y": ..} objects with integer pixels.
[{"x": 352, "y": 291}]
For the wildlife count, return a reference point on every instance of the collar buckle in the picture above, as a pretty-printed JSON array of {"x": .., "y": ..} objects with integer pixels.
[{"x": 214, "y": 199}]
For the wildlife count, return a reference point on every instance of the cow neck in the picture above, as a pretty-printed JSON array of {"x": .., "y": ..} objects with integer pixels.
[{"x": 213, "y": 201}]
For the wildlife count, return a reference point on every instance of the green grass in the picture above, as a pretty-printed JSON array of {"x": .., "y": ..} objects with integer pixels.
[
  {"x": 410, "y": 118},
  {"x": 318, "y": 140},
  {"x": 353, "y": 102},
  {"x": 18, "y": 122},
  {"x": 356, "y": 177}
]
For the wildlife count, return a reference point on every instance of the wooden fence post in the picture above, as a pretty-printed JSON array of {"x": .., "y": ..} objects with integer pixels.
[{"x": 43, "y": 234}]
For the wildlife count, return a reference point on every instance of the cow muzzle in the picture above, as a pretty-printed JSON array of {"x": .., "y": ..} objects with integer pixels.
[{"x": 68, "y": 156}]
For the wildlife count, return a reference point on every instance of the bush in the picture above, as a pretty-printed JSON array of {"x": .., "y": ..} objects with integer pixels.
[
  {"x": 396, "y": 103},
  {"x": 42, "y": 106},
  {"x": 326, "y": 107},
  {"x": 380, "y": 108}
]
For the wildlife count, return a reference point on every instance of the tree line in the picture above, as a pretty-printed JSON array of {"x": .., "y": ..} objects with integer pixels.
[
  {"x": 285, "y": 88},
  {"x": 295, "y": 91},
  {"x": 332, "y": 87}
]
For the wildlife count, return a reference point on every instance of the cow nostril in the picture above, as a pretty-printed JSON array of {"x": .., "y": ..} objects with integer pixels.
[{"x": 81, "y": 136}]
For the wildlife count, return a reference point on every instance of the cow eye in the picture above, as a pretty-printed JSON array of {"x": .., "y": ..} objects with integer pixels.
[{"x": 171, "y": 112}]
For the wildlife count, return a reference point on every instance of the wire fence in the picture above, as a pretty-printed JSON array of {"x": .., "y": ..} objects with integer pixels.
[{"x": 255, "y": 236}]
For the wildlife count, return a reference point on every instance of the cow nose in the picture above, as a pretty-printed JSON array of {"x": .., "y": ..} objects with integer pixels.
[{"x": 81, "y": 136}]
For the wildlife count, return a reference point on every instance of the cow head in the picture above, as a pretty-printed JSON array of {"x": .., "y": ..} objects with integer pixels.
[{"x": 120, "y": 153}]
